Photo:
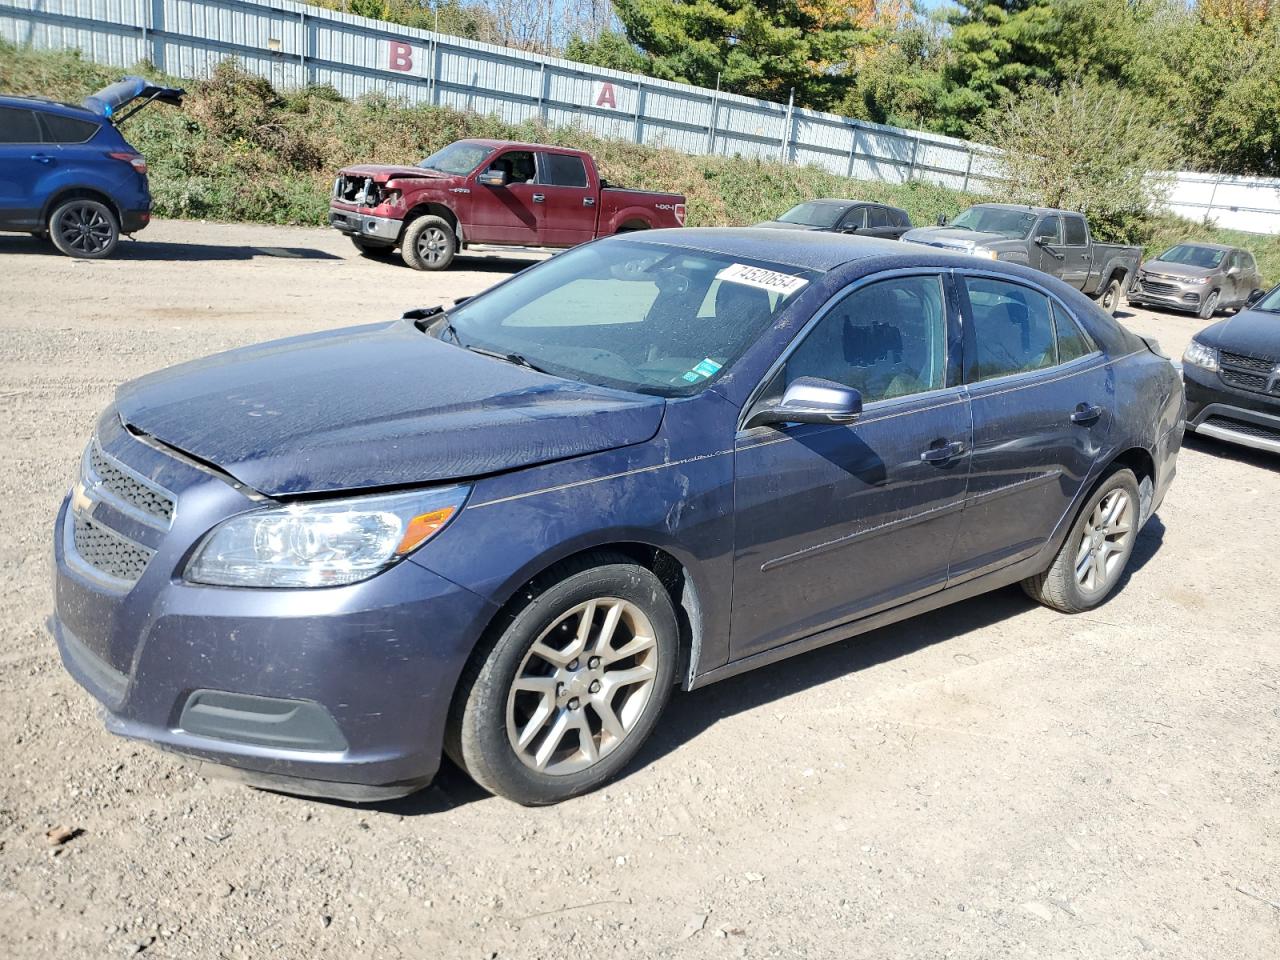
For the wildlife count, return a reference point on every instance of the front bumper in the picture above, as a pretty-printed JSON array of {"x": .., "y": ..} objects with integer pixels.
[
  {"x": 341, "y": 692},
  {"x": 1183, "y": 296},
  {"x": 356, "y": 224},
  {"x": 1215, "y": 409}
]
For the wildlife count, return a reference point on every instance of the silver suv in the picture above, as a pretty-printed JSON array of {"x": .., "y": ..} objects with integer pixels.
[{"x": 1201, "y": 278}]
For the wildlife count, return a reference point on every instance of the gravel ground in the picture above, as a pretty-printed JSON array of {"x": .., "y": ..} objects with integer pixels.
[{"x": 990, "y": 780}]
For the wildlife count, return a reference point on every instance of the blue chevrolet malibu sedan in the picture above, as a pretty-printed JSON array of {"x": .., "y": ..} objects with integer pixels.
[{"x": 507, "y": 530}]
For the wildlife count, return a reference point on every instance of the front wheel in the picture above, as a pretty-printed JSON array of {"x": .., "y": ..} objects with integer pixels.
[
  {"x": 429, "y": 244},
  {"x": 571, "y": 688},
  {"x": 1210, "y": 305},
  {"x": 1093, "y": 557},
  {"x": 84, "y": 228}
]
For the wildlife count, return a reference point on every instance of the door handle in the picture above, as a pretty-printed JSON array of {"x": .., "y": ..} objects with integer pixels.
[
  {"x": 588, "y": 201},
  {"x": 1086, "y": 414},
  {"x": 539, "y": 197},
  {"x": 943, "y": 453},
  {"x": 42, "y": 158}
]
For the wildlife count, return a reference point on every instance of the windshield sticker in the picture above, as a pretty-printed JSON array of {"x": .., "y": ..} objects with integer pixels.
[
  {"x": 706, "y": 368},
  {"x": 771, "y": 280}
]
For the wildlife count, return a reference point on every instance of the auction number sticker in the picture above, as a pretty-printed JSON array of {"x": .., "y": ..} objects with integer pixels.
[{"x": 770, "y": 280}]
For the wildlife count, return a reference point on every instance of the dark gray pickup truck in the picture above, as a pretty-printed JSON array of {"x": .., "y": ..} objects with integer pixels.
[{"x": 1056, "y": 241}]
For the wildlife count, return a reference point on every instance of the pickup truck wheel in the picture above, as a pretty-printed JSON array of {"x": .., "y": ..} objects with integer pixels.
[
  {"x": 1109, "y": 299},
  {"x": 1210, "y": 305},
  {"x": 375, "y": 251},
  {"x": 571, "y": 686},
  {"x": 1093, "y": 557},
  {"x": 84, "y": 228},
  {"x": 429, "y": 244}
]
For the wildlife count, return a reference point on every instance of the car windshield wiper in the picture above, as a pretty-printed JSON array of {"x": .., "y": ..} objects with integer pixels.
[{"x": 518, "y": 359}]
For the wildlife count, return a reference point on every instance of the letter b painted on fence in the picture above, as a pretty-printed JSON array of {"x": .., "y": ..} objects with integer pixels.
[{"x": 401, "y": 56}]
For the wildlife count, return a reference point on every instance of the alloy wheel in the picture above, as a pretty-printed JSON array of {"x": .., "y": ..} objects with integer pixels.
[
  {"x": 582, "y": 686},
  {"x": 433, "y": 245},
  {"x": 84, "y": 229},
  {"x": 1101, "y": 553}
]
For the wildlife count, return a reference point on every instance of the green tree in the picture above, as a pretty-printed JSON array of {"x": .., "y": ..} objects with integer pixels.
[
  {"x": 611, "y": 50},
  {"x": 760, "y": 48},
  {"x": 1057, "y": 154}
]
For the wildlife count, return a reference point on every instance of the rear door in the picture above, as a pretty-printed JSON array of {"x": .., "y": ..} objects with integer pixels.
[
  {"x": 879, "y": 223},
  {"x": 1042, "y": 399},
  {"x": 508, "y": 214},
  {"x": 24, "y": 161},
  {"x": 837, "y": 521},
  {"x": 1076, "y": 258},
  {"x": 569, "y": 200}
]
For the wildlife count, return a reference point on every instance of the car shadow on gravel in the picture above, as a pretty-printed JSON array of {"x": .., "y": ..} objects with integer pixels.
[
  {"x": 689, "y": 714},
  {"x": 1225, "y": 450},
  {"x": 160, "y": 250}
]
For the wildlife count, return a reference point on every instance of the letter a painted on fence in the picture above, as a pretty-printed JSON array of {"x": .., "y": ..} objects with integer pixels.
[
  {"x": 401, "y": 56},
  {"x": 607, "y": 97}
]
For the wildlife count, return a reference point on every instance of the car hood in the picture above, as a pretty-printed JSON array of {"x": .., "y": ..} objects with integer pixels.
[
  {"x": 1254, "y": 333},
  {"x": 381, "y": 173},
  {"x": 1179, "y": 271},
  {"x": 953, "y": 239},
  {"x": 375, "y": 406}
]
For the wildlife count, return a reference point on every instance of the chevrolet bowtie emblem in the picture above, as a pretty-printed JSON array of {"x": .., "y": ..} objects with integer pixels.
[{"x": 81, "y": 502}]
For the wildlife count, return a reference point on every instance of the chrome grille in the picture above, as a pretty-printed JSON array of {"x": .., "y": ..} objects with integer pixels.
[
  {"x": 1155, "y": 286},
  {"x": 127, "y": 488},
  {"x": 109, "y": 552}
]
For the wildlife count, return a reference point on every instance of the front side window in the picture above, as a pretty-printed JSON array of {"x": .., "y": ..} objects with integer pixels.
[
  {"x": 855, "y": 219},
  {"x": 458, "y": 158},
  {"x": 1011, "y": 330},
  {"x": 1076, "y": 235},
  {"x": 1047, "y": 230},
  {"x": 638, "y": 316},
  {"x": 887, "y": 339},
  {"x": 518, "y": 165},
  {"x": 561, "y": 170},
  {"x": 18, "y": 126}
]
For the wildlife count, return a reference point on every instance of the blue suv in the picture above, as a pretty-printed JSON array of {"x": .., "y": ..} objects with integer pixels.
[{"x": 67, "y": 173}]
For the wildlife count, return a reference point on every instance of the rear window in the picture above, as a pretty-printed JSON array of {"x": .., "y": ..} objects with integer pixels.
[
  {"x": 60, "y": 129},
  {"x": 561, "y": 170},
  {"x": 18, "y": 126}
]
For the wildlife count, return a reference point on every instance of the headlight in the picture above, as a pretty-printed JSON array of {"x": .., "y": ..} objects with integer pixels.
[
  {"x": 989, "y": 254},
  {"x": 1198, "y": 355},
  {"x": 1198, "y": 279},
  {"x": 323, "y": 543}
]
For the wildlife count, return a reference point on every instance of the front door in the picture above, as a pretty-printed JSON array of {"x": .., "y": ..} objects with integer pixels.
[
  {"x": 1047, "y": 238},
  {"x": 509, "y": 214},
  {"x": 1042, "y": 399},
  {"x": 836, "y": 522},
  {"x": 569, "y": 212}
]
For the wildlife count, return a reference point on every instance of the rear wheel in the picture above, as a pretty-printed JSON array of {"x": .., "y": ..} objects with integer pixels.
[
  {"x": 84, "y": 228},
  {"x": 429, "y": 244},
  {"x": 1093, "y": 557},
  {"x": 1109, "y": 298},
  {"x": 571, "y": 688},
  {"x": 1210, "y": 305}
]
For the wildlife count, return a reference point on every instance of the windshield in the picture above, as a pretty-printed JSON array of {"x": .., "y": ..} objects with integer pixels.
[
  {"x": 1014, "y": 224},
  {"x": 458, "y": 158},
  {"x": 814, "y": 214},
  {"x": 622, "y": 313},
  {"x": 1188, "y": 254},
  {"x": 1270, "y": 303}
]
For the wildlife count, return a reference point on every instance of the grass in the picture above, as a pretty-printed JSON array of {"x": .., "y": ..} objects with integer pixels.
[{"x": 240, "y": 150}]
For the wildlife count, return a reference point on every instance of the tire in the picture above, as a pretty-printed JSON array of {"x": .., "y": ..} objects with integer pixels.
[
  {"x": 85, "y": 229},
  {"x": 530, "y": 712},
  {"x": 1109, "y": 298},
  {"x": 374, "y": 251},
  {"x": 1063, "y": 586},
  {"x": 1210, "y": 306},
  {"x": 429, "y": 243}
]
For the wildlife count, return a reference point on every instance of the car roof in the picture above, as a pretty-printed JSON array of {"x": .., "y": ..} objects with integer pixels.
[
  {"x": 50, "y": 106},
  {"x": 809, "y": 250},
  {"x": 1206, "y": 244},
  {"x": 1027, "y": 208},
  {"x": 486, "y": 142}
]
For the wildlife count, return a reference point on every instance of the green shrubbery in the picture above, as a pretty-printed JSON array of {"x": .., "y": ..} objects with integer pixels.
[{"x": 243, "y": 151}]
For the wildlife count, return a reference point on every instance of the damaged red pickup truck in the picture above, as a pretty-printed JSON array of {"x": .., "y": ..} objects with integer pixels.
[{"x": 491, "y": 192}]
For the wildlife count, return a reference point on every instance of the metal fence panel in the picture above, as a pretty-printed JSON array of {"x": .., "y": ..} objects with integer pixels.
[{"x": 292, "y": 44}]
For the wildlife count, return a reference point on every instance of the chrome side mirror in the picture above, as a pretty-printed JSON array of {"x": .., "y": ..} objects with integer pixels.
[
  {"x": 493, "y": 178},
  {"x": 810, "y": 400}
]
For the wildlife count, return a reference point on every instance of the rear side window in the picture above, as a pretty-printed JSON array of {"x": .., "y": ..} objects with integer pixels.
[
  {"x": 60, "y": 129},
  {"x": 19, "y": 126},
  {"x": 1072, "y": 343},
  {"x": 1075, "y": 232},
  {"x": 1011, "y": 330},
  {"x": 560, "y": 170},
  {"x": 900, "y": 218},
  {"x": 877, "y": 217}
]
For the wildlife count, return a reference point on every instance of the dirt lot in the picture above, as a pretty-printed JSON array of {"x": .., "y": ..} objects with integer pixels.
[{"x": 991, "y": 780}]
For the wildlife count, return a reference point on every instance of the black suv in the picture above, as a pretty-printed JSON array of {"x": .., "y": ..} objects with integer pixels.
[
  {"x": 1232, "y": 376},
  {"x": 862, "y": 217}
]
